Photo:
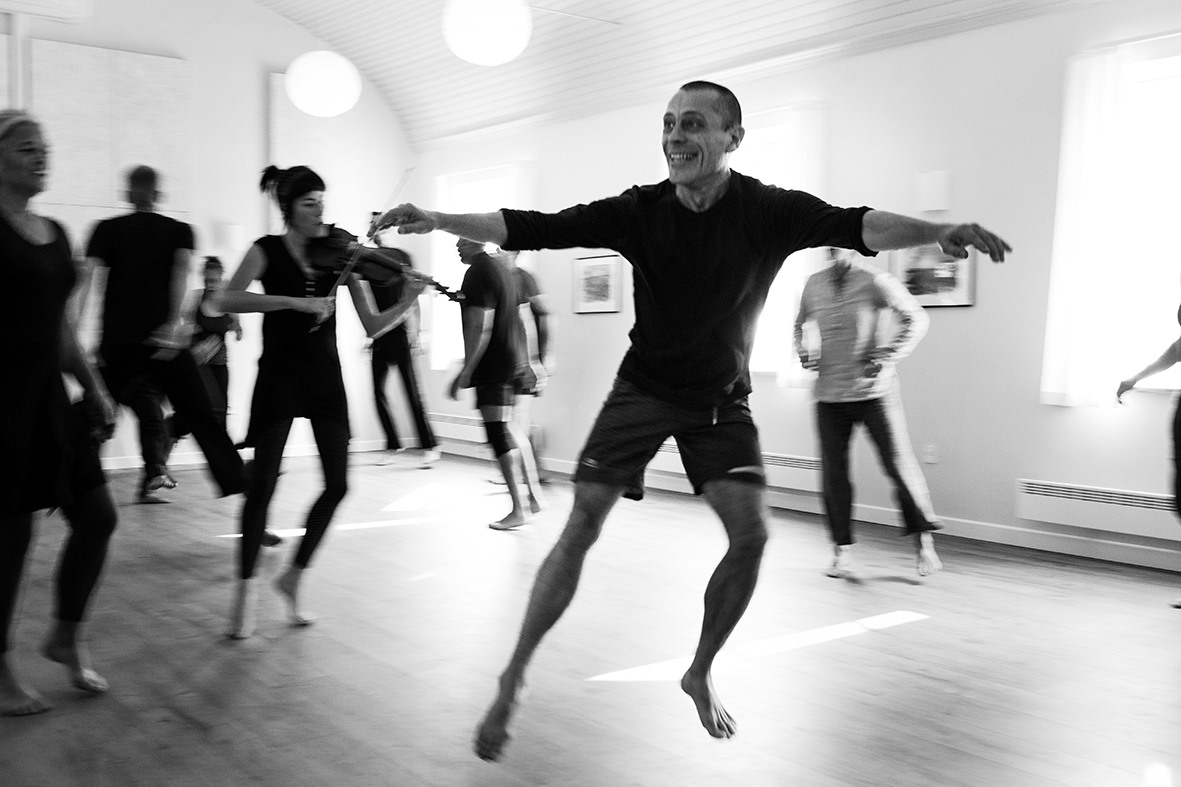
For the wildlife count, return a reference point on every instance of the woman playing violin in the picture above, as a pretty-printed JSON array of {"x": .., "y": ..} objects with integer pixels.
[{"x": 299, "y": 373}]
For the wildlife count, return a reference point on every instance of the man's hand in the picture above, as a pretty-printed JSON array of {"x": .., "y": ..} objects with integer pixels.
[
  {"x": 461, "y": 381},
  {"x": 957, "y": 238},
  {"x": 809, "y": 363},
  {"x": 409, "y": 219},
  {"x": 1124, "y": 387}
]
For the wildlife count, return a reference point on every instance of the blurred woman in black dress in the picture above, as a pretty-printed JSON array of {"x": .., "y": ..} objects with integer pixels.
[{"x": 48, "y": 448}]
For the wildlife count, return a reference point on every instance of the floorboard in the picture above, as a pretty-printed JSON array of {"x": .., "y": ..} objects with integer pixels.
[{"x": 1014, "y": 668}]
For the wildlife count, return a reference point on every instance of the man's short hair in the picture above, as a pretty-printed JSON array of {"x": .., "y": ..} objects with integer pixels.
[
  {"x": 731, "y": 109},
  {"x": 142, "y": 178}
]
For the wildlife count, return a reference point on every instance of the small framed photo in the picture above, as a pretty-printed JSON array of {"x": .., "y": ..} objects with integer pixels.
[
  {"x": 935, "y": 278},
  {"x": 598, "y": 285}
]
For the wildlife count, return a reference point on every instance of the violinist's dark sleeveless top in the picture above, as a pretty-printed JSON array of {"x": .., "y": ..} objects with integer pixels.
[
  {"x": 207, "y": 326},
  {"x": 299, "y": 369},
  {"x": 34, "y": 407}
]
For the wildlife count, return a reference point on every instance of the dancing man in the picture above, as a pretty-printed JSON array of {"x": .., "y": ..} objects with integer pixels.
[
  {"x": 144, "y": 351},
  {"x": 858, "y": 384},
  {"x": 494, "y": 361},
  {"x": 705, "y": 245}
]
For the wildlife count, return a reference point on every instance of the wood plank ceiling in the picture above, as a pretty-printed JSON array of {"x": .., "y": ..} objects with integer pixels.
[{"x": 641, "y": 50}]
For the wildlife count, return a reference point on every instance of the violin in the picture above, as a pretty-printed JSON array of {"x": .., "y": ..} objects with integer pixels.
[{"x": 341, "y": 252}]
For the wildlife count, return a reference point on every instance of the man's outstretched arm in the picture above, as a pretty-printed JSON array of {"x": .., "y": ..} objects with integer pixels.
[
  {"x": 410, "y": 219},
  {"x": 881, "y": 231}
]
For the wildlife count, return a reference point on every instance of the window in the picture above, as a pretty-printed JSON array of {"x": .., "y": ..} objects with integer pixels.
[
  {"x": 479, "y": 191},
  {"x": 1114, "y": 285},
  {"x": 784, "y": 147}
]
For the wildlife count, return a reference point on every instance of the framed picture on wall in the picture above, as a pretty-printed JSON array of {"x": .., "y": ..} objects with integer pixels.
[
  {"x": 935, "y": 278},
  {"x": 598, "y": 284}
]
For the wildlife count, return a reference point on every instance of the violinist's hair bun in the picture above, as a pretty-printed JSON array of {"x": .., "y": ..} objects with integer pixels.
[{"x": 285, "y": 185}]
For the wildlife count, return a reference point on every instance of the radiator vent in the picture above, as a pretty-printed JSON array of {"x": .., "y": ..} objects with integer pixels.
[
  {"x": 1109, "y": 510},
  {"x": 1115, "y": 497},
  {"x": 800, "y": 473}
]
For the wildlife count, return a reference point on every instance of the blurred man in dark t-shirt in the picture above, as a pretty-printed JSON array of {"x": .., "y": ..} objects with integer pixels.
[
  {"x": 494, "y": 359},
  {"x": 143, "y": 351}
]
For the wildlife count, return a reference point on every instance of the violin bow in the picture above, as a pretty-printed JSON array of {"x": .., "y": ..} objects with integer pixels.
[{"x": 355, "y": 257}]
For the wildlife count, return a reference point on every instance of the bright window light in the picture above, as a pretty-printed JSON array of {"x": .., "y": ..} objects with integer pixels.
[
  {"x": 480, "y": 191},
  {"x": 784, "y": 147},
  {"x": 1114, "y": 289}
]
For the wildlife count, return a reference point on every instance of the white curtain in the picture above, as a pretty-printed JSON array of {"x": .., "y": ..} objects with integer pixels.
[{"x": 1082, "y": 342}]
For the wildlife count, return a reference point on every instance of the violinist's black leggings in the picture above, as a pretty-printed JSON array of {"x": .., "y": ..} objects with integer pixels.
[
  {"x": 92, "y": 520},
  {"x": 332, "y": 440}
]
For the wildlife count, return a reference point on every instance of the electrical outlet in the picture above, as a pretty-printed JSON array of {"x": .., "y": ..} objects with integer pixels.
[{"x": 930, "y": 454}]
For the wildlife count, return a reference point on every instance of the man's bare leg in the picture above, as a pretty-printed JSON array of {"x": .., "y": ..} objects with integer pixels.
[
  {"x": 557, "y": 579},
  {"x": 743, "y": 510},
  {"x": 528, "y": 466},
  {"x": 516, "y": 517}
]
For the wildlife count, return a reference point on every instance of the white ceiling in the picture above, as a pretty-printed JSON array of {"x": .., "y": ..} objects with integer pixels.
[{"x": 575, "y": 66}]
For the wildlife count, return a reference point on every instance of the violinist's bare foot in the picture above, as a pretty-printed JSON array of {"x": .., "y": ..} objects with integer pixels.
[
  {"x": 928, "y": 562},
  {"x": 514, "y": 520},
  {"x": 245, "y": 612},
  {"x": 288, "y": 586},
  {"x": 492, "y": 734},
  {"x": 63, "y": 647},
  {"x": 17, "y": 699},
  {"x": 536, "y": 503},
  {"x": 714, "y": 718}
]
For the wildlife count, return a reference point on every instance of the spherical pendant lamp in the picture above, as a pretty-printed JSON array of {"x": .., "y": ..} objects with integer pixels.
[
  {"x": 487, "y": 32},
  {"x": 322, "y": 83}
]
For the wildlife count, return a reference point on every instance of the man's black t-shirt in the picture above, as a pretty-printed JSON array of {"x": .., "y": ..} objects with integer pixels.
[{"x": 138, "y": 250}]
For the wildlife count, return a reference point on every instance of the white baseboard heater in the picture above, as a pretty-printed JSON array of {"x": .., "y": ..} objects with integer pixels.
[
  {"x": 1109, "y": 510},
  {"x": 800, "y": 473}
]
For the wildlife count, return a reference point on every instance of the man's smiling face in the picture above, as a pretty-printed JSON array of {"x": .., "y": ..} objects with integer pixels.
[{"x": 696, "y": 139}]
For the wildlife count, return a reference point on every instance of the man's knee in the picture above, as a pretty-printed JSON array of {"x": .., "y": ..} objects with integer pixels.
[{"x": 499, "y": 437}]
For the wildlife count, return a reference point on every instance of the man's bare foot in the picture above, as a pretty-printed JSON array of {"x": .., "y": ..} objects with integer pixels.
[
  {"x": 17, "y": 699},
  {"x": 244, "y": 615},
  {"x": 714, "y": 718},
  {"x": 288, "y": 587},
  {"x": 536, "y": 503},
  {"x": 928, "y": 562},
  {"x": 492, "y": 734},
  {"x": 514, "y": 520},
  {"x": 73, "y": 656},
  {"x": 842, "y": 562}
]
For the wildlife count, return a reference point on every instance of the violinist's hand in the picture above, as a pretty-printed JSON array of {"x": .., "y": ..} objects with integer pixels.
[
  {"x": 409, "y": 219},
  {"x": 322, "y": 308},
  {"x": 414, "y": 286},
  {"x": 1124, "y": 387}
]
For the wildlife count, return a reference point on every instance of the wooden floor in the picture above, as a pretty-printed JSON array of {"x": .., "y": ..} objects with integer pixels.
[{"x": 1011, "y": 668}]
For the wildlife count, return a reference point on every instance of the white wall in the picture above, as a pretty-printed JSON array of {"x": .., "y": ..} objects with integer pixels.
[
  {"x": 232, "y": 48},
  {"x": 985, "y": 106}
]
